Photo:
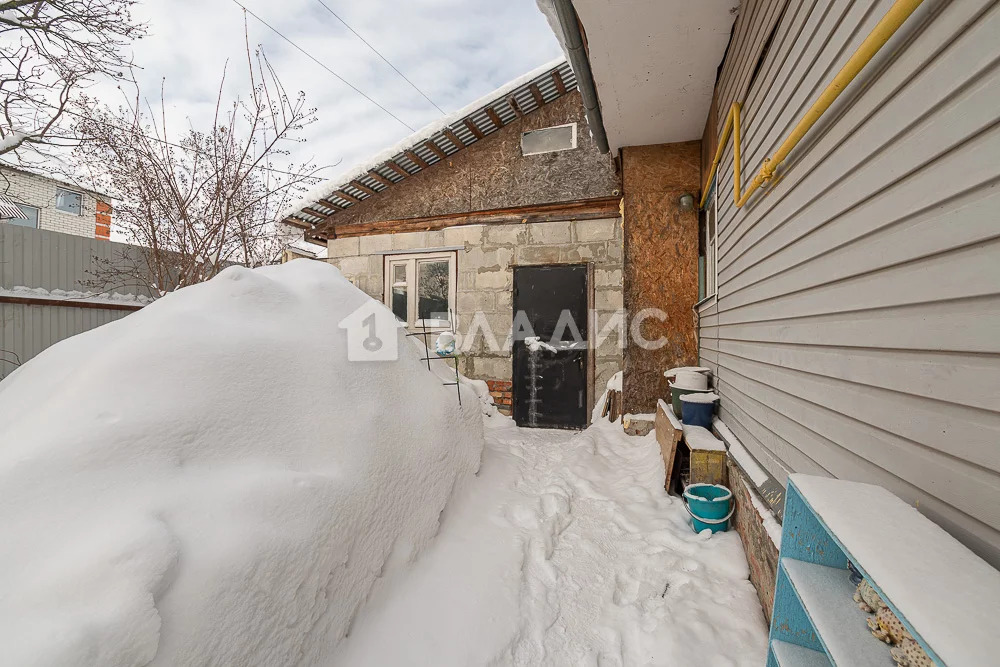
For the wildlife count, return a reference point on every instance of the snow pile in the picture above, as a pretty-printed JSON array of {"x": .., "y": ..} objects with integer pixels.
[
  {"x": 210, "y": 481},
  {"x": 566, "y": 550},
  {"x": 700, "y": 438},
  {"x": 702, "y": 397}
]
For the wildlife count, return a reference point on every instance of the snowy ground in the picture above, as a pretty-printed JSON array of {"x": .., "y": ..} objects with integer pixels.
[{"x": 564, "y": 551}]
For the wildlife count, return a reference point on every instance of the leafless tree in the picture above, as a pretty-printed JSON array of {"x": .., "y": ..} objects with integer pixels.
[
  {"x": 205, "y": 199},
  {"x": 51, "y": 50}
]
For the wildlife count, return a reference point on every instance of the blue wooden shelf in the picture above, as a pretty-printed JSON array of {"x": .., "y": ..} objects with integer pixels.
[{"x": 815, "y": 620}]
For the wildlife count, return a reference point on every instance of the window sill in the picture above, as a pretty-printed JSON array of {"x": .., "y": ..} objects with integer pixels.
[{"x": 707, "y": 302}]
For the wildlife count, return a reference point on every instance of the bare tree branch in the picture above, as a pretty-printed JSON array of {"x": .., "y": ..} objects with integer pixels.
[
  {"x": 206, "y": 199},
  {"x": 50, "y": 50}
]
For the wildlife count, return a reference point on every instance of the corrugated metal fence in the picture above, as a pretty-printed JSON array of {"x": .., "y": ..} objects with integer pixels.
[{"x": 52, "y": 261}]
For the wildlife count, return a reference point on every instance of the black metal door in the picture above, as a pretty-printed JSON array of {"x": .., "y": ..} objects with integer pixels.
[{"x": 550, "y": 346}]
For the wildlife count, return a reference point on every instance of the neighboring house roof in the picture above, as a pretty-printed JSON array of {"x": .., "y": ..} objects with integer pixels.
[
  {"x": 45, "y": 177},
  {"x": 432, "y": 144}
]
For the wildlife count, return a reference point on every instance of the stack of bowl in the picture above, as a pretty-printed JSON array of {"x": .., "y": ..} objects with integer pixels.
[{"x": 686, "y": 380}]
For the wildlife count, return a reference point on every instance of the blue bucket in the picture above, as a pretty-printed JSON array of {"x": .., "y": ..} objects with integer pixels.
[
  {"x": 697, "y": 414},
  {"x": 710, "y": 506}
]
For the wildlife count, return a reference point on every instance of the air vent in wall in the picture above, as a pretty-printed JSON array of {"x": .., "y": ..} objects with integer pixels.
[{"x": 549, "y": 139}]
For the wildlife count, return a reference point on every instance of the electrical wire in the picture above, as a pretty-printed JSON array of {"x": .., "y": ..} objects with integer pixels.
[
  {"x": 318, "y": 62},
  {"x": 187, "y": 148},
  {"x": 379, "y": 54}
]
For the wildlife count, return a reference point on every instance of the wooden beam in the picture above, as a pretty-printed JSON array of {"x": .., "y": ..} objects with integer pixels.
[
  {"x": 513, "y": 105},
  {"x": 396, "y": 168},
  {"x": 314, "y": 212},
  {"x": 419, "y": 161},
  {"x": 582, "y": 209},
  {"x": 434, "y": 148},
  {"x": 67, "y": 303},
  {"x": 380, "y": 178},
  {"x": 295, "y": 222},
  {"x": 364, "y": 188},
  {"x": 348, "y": 197},
  {"x": 330, "y": 204},
  {"x": 476, "y": 132},
  {"x": 557, "y": 79},
  {"x": 537, "y": 94},
  {"x": 459, "y": 144},
  {"x": 494, "y": 117}
]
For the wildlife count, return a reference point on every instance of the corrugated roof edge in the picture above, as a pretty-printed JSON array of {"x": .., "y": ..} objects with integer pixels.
[{"x": 327, "y": 189}]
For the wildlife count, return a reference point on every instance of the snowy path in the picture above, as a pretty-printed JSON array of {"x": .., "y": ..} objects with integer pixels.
[{"x": 564, "y": 551}]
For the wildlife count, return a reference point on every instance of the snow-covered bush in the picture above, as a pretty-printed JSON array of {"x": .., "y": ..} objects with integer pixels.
[{"x": 210, "y": 481}]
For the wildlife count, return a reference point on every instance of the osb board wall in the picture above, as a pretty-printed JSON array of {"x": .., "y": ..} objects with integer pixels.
[
  {"x": 492, "y": 174},
  {"x": 661, "y": 264}
]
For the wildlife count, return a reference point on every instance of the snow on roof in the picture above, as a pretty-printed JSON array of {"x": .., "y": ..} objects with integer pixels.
[
  {"x": 303, "y": 247},
  {"x": 475, "y": 112}
]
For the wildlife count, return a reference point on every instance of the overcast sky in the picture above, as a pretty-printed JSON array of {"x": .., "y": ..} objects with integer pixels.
[{"x": 453, "y": 50}]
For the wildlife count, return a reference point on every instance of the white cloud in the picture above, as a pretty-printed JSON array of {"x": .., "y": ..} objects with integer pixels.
[{"x": 454, "y": 50}]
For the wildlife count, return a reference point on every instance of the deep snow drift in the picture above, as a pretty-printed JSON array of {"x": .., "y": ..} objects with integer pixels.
[{"x": 209, "y": 481}]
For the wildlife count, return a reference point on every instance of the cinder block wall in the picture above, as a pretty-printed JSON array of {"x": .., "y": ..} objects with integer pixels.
[
  {"x": 40, "y": 192},
  {"x": 486, "y": 261}
]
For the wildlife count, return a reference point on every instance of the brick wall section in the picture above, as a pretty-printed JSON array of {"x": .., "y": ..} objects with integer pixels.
[
  {"x": 762, "y": 554},
  {"x": 40, "y": 192},
  {"x": 502, "y": 393},
  {"x": 486, "y": 277},
  {"x": 102, "y": 228}
]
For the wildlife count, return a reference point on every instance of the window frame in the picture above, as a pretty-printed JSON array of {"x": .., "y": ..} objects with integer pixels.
[
  {"x": 38, "y": 216},
  {"x": 73, "y": 192},
  {"x": 574, "y": 141},
  {"x": 709, "y": 237},
  {"x": 411, "y": 261}
]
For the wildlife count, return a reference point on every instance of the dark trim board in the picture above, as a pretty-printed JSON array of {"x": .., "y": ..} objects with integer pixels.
[
  {"x": 68, "y": 303},
  {"x": 584, "y": 209}
]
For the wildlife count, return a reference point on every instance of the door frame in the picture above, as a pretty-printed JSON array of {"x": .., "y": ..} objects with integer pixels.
[{"x": 591, "y": 361}]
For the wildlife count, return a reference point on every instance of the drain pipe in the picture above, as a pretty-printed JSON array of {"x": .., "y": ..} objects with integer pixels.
[{"x": 570, "y": 26}]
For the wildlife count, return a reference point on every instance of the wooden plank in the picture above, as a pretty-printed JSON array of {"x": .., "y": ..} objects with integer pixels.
[
  {"x": 537, "y": 94},
  {"x": 330, "y": 204},
  {"x": 708, "y": 466},
  {"x": 512, "y": 103},
  {"x": 494, "y": 117},
  {"x": 585, "y": 209},
  {"x": 348, "y": 197},
  {"x": 557, "y": 79},
  {"x": 311, "y": 211},
  {"x": 434, "y": 148},
  {"x": 379, "y": 178},
  {"x": 417, "y": 160},
  {"x": 396, "y": 168},
  {"x": 668, "y": 438},
  {"x": 364, "y": 188},
  {"x": 68, "y": 303},
  {"x": 295, "y": 222},
  {"x": 454, "y": 139},
  {"x": 476, "y": 132}
]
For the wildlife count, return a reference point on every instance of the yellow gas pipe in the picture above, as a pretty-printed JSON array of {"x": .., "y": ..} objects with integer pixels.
[{"x": 886, "y": 28}]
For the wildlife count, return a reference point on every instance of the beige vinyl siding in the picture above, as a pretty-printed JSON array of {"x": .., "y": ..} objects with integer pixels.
[{"x": 857, "y": 327}]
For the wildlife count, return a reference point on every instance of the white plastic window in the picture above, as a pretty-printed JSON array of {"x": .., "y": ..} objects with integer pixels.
[
  {"x": 69, "y": 201},
  {"x": 420, "y": 289}
]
